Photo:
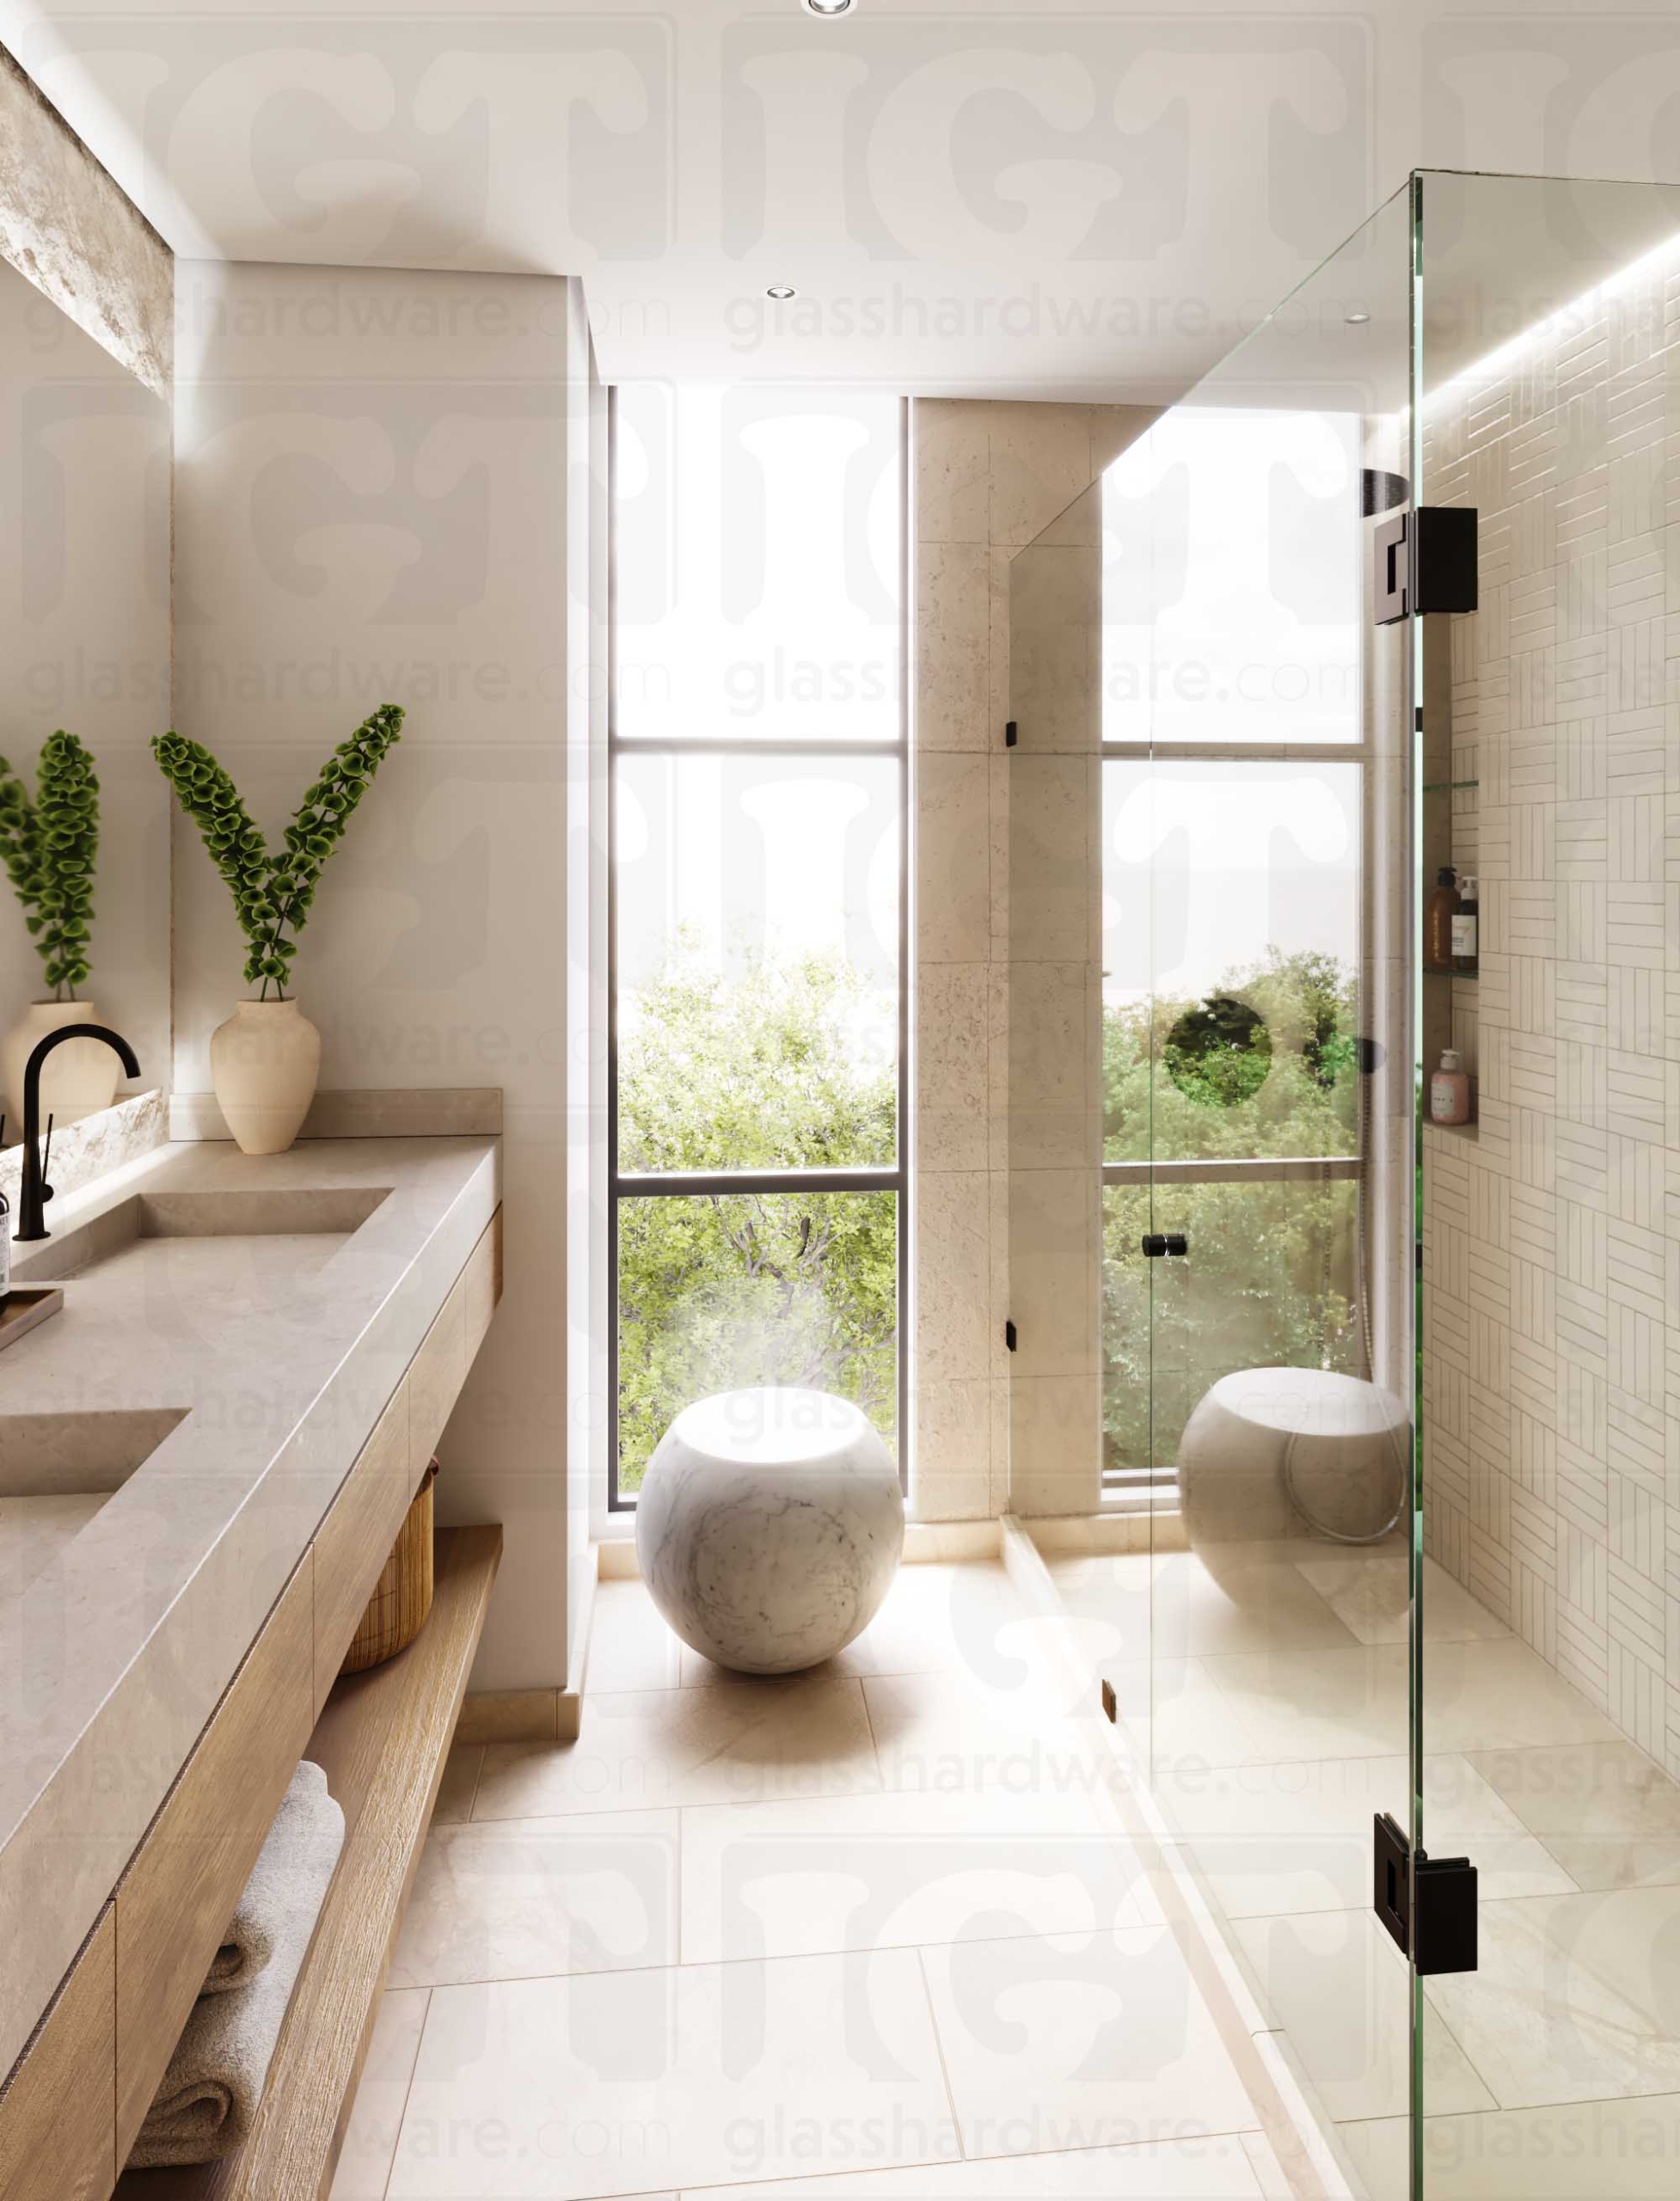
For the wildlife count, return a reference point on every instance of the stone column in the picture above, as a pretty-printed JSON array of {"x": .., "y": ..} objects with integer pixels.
[{"x": 989, "y": 479}]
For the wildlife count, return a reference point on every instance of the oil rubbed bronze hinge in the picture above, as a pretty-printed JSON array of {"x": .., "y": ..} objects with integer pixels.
[{"x": 1427, "y": 1903}]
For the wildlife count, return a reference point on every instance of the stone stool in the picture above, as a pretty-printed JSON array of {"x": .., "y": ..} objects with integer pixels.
[
  {"x": 769, "y": 1526},
  {"x": 1341, "y": 1445}
]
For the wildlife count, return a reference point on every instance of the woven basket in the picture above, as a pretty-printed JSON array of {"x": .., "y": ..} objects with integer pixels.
[{"x": 401, "y": 1598}]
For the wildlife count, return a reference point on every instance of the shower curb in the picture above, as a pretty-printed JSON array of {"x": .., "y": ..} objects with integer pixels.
[{"x": 1282, "y": 2097}]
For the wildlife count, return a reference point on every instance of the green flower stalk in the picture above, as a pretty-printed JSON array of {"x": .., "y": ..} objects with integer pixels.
[
  {"x": 49, "y": 847},
  {"x": 272, "y": 892}
]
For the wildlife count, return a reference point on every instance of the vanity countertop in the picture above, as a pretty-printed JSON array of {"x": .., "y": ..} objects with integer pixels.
[{"x": 262, "y": 1364}]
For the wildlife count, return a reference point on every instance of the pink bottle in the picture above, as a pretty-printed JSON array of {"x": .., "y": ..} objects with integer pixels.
[{"x": 1449, "y": 1090}]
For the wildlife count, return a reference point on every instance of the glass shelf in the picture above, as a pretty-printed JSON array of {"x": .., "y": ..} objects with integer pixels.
[
  {"x": 1448, "y": 786},
  {"x": 1430, "y": 971}
]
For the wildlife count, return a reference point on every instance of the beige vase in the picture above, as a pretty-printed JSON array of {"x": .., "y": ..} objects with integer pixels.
[
  {"x": 264, "y": 1062},
  {"x": 77, "y": 1080}
]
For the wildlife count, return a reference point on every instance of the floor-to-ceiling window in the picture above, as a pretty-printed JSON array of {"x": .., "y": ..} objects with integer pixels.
[{"x": 758, "y": 993}]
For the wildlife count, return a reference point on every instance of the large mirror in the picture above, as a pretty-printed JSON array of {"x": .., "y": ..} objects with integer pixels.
[{"x": 84, "y": 651}]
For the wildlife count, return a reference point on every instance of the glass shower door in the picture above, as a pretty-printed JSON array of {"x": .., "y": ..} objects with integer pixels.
[
  {"x": 1549, "y": 378},
  {"x": 1258, "y": 1052}
]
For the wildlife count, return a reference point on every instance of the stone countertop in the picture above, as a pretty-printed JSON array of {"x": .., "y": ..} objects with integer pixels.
[{"x": 266, "y": 1363}]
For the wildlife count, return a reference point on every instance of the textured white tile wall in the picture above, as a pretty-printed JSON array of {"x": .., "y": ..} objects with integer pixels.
[{"x": 1552, "y": 1261}]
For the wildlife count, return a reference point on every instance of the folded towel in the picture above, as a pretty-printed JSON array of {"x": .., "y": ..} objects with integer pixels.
[{"x": 209, "y": 2094}]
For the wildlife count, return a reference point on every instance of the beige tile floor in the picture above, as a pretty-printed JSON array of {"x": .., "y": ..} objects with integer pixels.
[
  {"x": 1269, "y": 1683},
  {"x": 858, "y": 1935}
]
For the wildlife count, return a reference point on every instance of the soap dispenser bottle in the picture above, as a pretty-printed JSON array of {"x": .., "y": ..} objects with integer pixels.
[{"x": 1449, "y": 1090}]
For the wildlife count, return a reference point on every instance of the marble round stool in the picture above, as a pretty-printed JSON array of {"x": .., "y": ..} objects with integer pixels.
[
  {"x": 1268, "y": 1451},
  {"x": 770, "y": 1525}
]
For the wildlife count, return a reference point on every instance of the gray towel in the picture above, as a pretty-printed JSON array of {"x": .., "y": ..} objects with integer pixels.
[{"x": 209, "y": 2094}]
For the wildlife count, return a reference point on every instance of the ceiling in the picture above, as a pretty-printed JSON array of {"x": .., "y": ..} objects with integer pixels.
[{"x": 1091, "y": 201}]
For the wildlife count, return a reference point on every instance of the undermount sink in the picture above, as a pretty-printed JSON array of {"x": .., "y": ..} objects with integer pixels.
[
  {"x": 48, "y": 1455},
  {"x": 300, "y": 1212},
  {"x": 57, "y": 1470}
]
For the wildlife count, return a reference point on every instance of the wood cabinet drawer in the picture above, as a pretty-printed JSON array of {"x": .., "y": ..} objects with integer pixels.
[
  {"x": 185, "y": 1880},
  {"x": 58, "y": 2137},
  {"x": 439, "y": 1368},
  {"x": 480, "y": 1285},
  {"x": 435, "y": 1376},
  {"x": 355, "y": 1540}
]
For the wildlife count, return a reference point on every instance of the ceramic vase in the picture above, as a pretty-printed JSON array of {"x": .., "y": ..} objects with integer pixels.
[
  {"x": 264, "y": 1063},
  {"x": 77, "y": 1079}
]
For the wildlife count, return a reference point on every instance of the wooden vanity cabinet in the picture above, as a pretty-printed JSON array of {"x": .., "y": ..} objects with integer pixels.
[{"x": 77, "y": 2098}]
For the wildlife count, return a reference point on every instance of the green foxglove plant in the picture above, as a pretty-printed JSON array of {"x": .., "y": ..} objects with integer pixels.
[
  {"x": 272, "y": 892},
  {"x": 48, "y": 846}
]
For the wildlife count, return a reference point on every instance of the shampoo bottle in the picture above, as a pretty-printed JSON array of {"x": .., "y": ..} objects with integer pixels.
[
  {"x": 1449, "y": 1090},
  {"x": 1439, "y": 912},
  {"x": 1465, "y": 928}
]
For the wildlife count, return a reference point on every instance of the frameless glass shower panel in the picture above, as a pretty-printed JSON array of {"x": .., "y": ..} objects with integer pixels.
[{"x": 1212, "y": 1125}]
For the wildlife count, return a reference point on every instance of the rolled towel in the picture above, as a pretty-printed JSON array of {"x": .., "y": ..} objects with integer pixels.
[
  {"x": 209, "y": 2094},
  {"x": 249, "y": 1941}
]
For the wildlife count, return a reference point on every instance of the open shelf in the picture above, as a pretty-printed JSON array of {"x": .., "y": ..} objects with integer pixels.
[{"x": 382, "y": 1738}]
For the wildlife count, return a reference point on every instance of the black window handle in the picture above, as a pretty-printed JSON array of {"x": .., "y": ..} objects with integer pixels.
[{"x": 1158, "y": 1244}]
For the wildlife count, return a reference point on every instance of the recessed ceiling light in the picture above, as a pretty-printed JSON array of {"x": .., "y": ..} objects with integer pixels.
[
  {"x": 827, "y": 7},
  {"x": 1356, "y": 320},
  {"x": 780, "y": 291}
]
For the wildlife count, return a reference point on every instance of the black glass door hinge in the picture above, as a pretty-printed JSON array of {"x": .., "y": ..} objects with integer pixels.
[
  {"x": 1160, "y": 1245},
  {"x": 1011, "y": 734},
  {"x": 1428, "y": 1904},
  {"x": 1009, "y": 1338},
  {"x": 1424, "y": 560}
]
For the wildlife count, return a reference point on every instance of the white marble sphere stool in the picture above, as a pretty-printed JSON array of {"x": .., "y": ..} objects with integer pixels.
[
  {"x": 770, "y": 1525},
  {"x": 1346, "y": 1445}
]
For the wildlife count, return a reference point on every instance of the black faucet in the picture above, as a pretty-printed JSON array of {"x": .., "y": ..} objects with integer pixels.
[{"x": 35, "y": 1192}]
